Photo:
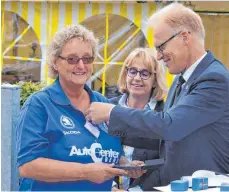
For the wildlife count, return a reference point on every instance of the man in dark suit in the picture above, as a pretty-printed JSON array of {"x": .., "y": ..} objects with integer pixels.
[{"x": 195, "y": 120}]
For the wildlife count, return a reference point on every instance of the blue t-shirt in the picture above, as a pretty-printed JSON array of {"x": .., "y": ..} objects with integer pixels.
[{"x": 49, "y": 126}]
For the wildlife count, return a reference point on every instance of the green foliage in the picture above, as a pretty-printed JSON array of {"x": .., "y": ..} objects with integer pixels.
[{"x": 28, "y": 88}]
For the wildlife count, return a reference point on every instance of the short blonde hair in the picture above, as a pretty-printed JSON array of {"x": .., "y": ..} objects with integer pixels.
[
  {"x": 62, "y": 37},
  {"x": 179, "y": 18},
  {"x": 152, "y": 65}
]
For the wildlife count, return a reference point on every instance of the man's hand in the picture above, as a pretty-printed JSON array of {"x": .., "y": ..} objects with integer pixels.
[
  {"x": 101, "y": 172},
  {"x": 136, "y": 174},
  {"x": 99, "y": 112}
]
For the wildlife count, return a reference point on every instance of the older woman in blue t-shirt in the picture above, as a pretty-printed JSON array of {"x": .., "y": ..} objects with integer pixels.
[{"x": 58, "y": 149}]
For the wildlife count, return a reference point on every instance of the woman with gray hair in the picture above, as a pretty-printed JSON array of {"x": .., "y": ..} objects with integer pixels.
[{"x": 58, "y": 149}]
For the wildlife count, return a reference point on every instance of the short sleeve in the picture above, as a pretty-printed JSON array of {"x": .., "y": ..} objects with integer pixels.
[{"x": 30, "y": 130}]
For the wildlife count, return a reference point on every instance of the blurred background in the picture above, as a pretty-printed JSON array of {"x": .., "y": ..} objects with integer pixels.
[{"x": 121, "y": 26}]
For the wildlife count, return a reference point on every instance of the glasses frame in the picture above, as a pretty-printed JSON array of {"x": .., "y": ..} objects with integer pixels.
[
  {"x": 138, "y": 71},
  {"x": 159, "y": 47},
  {"x": 77, "y": 60}
]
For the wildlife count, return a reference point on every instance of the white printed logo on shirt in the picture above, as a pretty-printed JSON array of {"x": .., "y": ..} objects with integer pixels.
[
  {"x": 66, "y": 122},
  {"x": 97, "y": 153}
]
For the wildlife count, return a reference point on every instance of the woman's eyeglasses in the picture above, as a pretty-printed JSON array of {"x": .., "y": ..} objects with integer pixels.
[
  {"x": 76, "y": 60},
  {"x": 132, "y": 72}
]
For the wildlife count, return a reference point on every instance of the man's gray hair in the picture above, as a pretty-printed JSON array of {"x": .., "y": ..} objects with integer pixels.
[
  {"x": 179, "y": 18},
  {"x": 62, "y": 37}
]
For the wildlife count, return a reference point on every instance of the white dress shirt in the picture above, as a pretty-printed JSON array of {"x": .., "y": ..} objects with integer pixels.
[{"x": 190, "y": 70}]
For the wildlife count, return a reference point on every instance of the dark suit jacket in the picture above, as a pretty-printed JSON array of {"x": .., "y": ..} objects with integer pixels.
[
  {"x": 144, "y": 149},
  {"x": 195, "y": 129}
]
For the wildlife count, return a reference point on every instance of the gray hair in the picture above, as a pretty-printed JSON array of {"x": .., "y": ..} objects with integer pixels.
[
  {"x": 179, "y": 17},
  {"x": 64, "y": 35}
]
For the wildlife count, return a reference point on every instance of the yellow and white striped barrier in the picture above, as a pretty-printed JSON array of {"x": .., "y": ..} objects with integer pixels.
[{"x": 45, "y": 18}]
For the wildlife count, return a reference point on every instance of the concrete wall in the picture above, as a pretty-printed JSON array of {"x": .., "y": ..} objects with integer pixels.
[{"x": 10, "y": 106}]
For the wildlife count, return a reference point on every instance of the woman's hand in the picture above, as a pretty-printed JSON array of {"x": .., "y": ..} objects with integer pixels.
[
  {"x": 136, "y": 173},
  {"x": 100, "y": 172}
]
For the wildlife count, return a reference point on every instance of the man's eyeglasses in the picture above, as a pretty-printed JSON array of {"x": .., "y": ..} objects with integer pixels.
[
  {"x": 161, "y": 47},
  {"x": 76, "y": 60},
  {"x": 132, "y": 72}
]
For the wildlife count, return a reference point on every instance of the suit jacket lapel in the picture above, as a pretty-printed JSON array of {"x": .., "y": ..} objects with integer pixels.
[{"x": 206, "y": 61}]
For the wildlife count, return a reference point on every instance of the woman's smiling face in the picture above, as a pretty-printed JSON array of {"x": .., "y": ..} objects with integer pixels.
[
  {"x": 77, "y": 73},
  {"x": 137, "y": 85}
]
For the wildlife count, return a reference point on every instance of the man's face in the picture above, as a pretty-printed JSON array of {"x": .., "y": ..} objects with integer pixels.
[{"x": 174, "y": 52}]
